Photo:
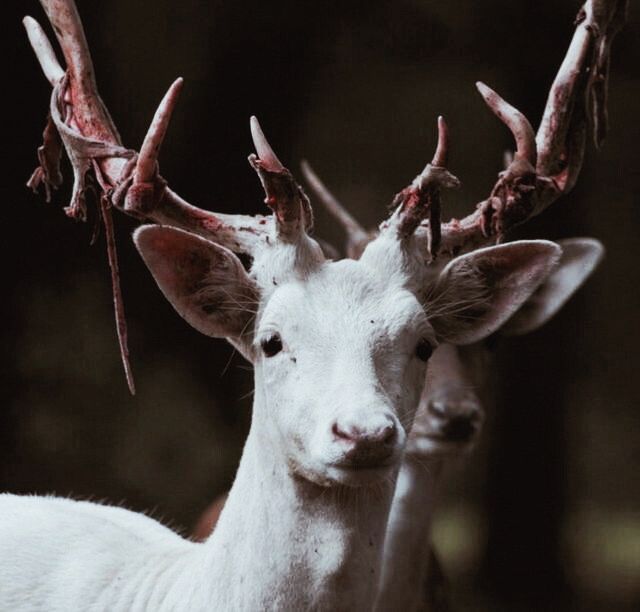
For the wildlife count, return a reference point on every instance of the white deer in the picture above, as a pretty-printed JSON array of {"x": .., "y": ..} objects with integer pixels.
[
  {"x": 447, "y": 425},
  {"x": 339, "y": 351}
]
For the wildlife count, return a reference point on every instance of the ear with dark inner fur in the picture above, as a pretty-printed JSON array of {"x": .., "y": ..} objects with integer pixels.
[
  {"x": 476, "y": 293},
  {"x": 580, "y": 257},
  {"x": 205, "y": 282}
]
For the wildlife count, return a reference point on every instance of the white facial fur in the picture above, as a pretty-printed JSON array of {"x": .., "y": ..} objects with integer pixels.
[
  {"x": 337, "y": 389},
  {"x": 348, "y": 360}
]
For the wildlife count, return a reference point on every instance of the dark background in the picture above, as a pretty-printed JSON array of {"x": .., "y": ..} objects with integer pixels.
[{"x": 545, "y": 513}]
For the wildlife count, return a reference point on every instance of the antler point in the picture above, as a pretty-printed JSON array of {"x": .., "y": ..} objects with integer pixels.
[
  {"x": 44, "y": 51},
  {"x": 265, "y": 153},
  {"x": 146, "y": 166}
]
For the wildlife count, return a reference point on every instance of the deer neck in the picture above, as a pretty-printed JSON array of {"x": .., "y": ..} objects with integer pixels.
[
  {"x": 285, "y": 543},
  {"x": 407, "y": 543}
]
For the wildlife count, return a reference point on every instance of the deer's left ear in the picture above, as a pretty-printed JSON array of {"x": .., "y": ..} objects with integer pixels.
[
  {"x": 205, "y": 282},
  {"x": 580, "y": 257},
  {"x": 476, "y": 293}
]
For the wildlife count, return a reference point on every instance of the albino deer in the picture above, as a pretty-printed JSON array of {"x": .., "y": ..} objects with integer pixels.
[{"x": 339, "y": 351}]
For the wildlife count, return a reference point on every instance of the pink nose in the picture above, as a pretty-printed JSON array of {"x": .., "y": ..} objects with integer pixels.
[
  {"x": 381, "y": 433},
  {"x": 366, "y": 446}
]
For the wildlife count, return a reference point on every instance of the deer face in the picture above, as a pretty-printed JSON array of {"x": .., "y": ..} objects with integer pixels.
[
  {"x": 340, "y": 347},
  {"x": 450, "y": 415},
  {"x": 340, "y": 364}
]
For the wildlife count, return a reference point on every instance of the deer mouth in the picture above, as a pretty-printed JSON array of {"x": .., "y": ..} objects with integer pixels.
[
  {"x": 344, "y": 473},
  {"x": 363, "y": 471},
  {"x": 439, "y": 444},
  {"x": 359, "y": 474}
]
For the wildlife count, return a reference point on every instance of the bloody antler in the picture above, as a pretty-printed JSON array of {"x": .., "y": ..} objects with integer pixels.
[
  {"x": 129, "y": 181},
  {"x": 546, "y": 168},
  {"x": 545, "y": 165},
  {"x": 421, "y": 199}
]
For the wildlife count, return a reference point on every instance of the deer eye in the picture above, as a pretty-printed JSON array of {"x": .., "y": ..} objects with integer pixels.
[
  {"x": 424, "y": 350},
  {"x": 272, "y": 345}
]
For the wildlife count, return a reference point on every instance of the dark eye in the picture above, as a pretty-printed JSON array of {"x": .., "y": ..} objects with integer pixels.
[
  {"x": 424, "y": 350},
  {"x": 272, "y": 345}
]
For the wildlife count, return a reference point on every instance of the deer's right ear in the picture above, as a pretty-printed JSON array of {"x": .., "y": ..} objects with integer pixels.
[
  {"x": 476, "y": 293},
  {"x": 205, "y": 282}
]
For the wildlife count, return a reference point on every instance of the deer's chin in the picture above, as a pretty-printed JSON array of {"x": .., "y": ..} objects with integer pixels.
[
  {"x": 335, "y": 475},
  {"x": 352, "y": 476},
  {"x": 427, "y": 446}
]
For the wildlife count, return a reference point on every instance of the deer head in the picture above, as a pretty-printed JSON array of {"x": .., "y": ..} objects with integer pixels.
[{"x": 339, "y": 347}]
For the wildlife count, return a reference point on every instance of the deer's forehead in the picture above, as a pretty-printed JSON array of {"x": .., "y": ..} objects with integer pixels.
[{"x": 343, "y": 295}]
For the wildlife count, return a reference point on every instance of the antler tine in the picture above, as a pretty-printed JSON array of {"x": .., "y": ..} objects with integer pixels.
[
  {"x": 421, "y": 199},
  {"x": 518, "y": 124},
  {"x": 581, "y": 78},
  {"x": 146, "y": 165},
  {"x": 265, "y": 153},
  {"x": 441, "y": 156},
  {"x": 41, "y": 46},
  {"x": 357, "y": 236},
  {"x": 290, "y": 205}
]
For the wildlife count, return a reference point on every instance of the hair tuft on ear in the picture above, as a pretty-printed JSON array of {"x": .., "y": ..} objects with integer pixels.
[{"x": 477, "y": 292}]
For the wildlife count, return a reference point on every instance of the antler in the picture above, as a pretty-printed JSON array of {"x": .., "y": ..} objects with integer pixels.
[
  {"x": 130, "y": 182},
  {"x": 545, "y": 166},
  {"x": 421, "y": 199},
  {"x": 417, "y": 201}
]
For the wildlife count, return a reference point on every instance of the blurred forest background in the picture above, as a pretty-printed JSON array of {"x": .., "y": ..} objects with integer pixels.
[{"x": 544, "y": 515}]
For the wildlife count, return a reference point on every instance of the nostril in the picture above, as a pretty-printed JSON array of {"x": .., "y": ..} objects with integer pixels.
[
  {"x": 386, "y": 434},
  {"x": 338, "y": 432},
  {"x": 459, "y": 429}
]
